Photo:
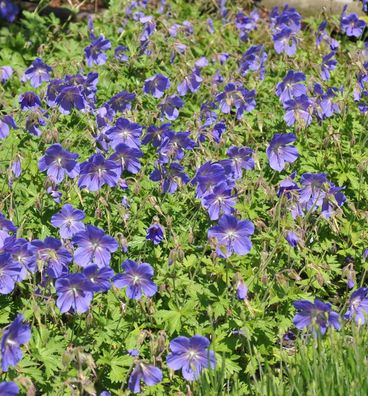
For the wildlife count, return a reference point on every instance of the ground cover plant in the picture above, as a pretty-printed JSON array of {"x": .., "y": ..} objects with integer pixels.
[{"x": 183, "y": 201}]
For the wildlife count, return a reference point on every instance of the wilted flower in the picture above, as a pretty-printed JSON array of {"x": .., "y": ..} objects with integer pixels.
[
  {"x": 232, "y": 236},
  {"x": 241, "y": 290},
  {"x": 37, "y": 73},
  {"x": 317, "y": 315},
  {"x": 17, "y": 334},
  {"x": 137, "y": 278},
  {"x": 191, "y": 355},
  {"x": 94, "y": 246}
]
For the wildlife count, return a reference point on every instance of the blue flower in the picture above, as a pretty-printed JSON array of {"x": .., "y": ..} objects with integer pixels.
[
  {"x": 74, "y": 292},
  {"x": 317, "y": 315},
  {"x": 156, "y": 85},
  {"x": 137, "y": 279},
  {"x": 37, "y": 73},
  {"x": 169, "y": 175},
  {"x": 358, "y": 306},
  {"x": 126, "y": 132},
  {"x": 96, "y": 172},
  {"x": 29, "y": 101},
  {"x": 150, "y": 375},
  {"x": 169, "y": 107},
  {"x": 94, "y": 246},
  {"x": 17, "y": 334},
  {"x": 9, "y": 272},
  {"x": 155, "y": 233},
  {"x": 100, "y": 278},
  {"x": 279, "y": 152},
  {"x": 58, "y": 161},
  {"x": 95, "y": 52},
  {"x": 8, "y": 389},
  {"x": 68, "y": 220},
  {"x": 191, "y": 355},
  {"x": 232, "y": 236}
]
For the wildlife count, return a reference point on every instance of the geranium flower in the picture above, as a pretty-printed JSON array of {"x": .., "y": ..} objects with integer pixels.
[
  {"x": 69, "y": 221},
  {"x": 17, "y": 334},
  {"x": 279, "y": 151},
  {"x": 150, "y": 375},
  {"x": 155, "y": 233},
  {"x": 191, "y": 355},
  {"x": 358, "y": 306},
  {"x": 156, "y": 85},
  {"x": 137, "y": 278},
  {"x": 37, "y": 73},
  {"x": 232, "y": 236}
]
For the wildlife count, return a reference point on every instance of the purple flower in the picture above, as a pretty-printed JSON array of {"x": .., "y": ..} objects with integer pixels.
[
  {"x": 8, "y": 389},
  {"x": 312, "y": 192},
  {"x": 22, "y": 255},
  {"x": 121, "y": 101},
  {"x": 291, "y": 87},
  {"x": 278, "y": 151},
  {"x": 17, "y": 334},
  {"x": 70, "y": 97},
  {"x": 16, "y": 167},
  {"x": 96, "y": 172},
  {"x": 126, "y": 132},
  {"x": 156, "y": 85},
  {"x": 238, "y": 97},
  {"x": 219, "y": 202},
  {"x": 29, "y": 101},
  {"x": 328, "y": 64},
  {"x": 317, "y": 315},
  {"x": 6, "y": 123},
  {"x": 69, "y": 220},
  {"x": 95, "y": 52},
  {"x": 6, "y": 226},
  {"x": 325, "y": 107},
  {"x": 137, "y": 279},
  {"x": 241, "y": 158},
  {"x": 58, "y": 161},
  {"x": 173, "y": 145},
  {"x": 51, "y": 254},
  {"x": 254, "y": 59},
  {"x": 150, "y": 375},
  {"x": 285, "y": 42},
  {"x": 100, "y": 278},
  {"x": 322, "y": 35},
  {"x": 8, "y": 10},
  {"x": 127, "y": 158},
  {"x": 232, "y": 236},
  {"x": 169, "y": 175},
  {"x": 119, "y": 53},
  {"x": 241, "y": 290},
  {"x": 190, "y": 83},
  {"x": 191, "y": 355},
  {"x": 351, "y": 25},
  {"x": 292, "y": 239},
  {"x": 169, "y": 107},
  {"x": 358, "y": 306},
  {"x": 34, "y": 121},
  {"x": 333, "y": 197},
  {"x": 5, "y": 73},
  {"x": 207, "y": 177},
  {"x": 9, "y": 272},
  {"x": 217, "y": 131},
  {"x": 155, "y": 233},
  {"x": 94, "y": 246},
  {"x": 37, "y": 73},
  {"x": 298, "y": 110},
  {"x": 155, "y": 135},
  {"x": 74, "y": 292}
]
